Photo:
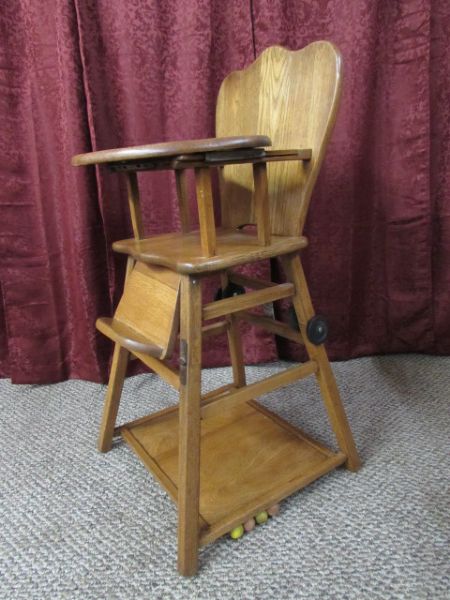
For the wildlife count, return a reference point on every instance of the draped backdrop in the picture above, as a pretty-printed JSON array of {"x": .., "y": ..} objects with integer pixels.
[{"x": 81, "y": 75}]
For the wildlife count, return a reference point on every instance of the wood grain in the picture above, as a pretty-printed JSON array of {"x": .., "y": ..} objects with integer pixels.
[
  {"x": 149, "y": 306},
  {"x": 205, "y": 211},
  {"x": 236, "y": 485},
  {"x": 188, "y": 467},
  {"x": 183, "y": 252},
  {"x": 128, "y": 337},
  {"x": 244, "y": 301},
  {"x": 292, "y": 97}
]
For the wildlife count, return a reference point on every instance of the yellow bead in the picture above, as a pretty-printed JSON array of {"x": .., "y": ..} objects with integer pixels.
[{"x": 237, "y": 532}]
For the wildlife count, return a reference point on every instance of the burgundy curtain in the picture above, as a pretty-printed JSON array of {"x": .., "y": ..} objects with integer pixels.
[{"x": 78, "y": 75}]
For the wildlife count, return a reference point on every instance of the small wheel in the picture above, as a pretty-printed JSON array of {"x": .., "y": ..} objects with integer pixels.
[
  {"x": 317, "y": 330},
  {"x": 237, "y": 532}
]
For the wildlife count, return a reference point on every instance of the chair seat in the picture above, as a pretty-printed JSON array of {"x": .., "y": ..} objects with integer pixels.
[{"x": 182, "y": 252}]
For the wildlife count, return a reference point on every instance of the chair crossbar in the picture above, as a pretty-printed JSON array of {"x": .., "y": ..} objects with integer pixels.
[
  {"x": 249, "y": 300},
  {"x": 277, "y": 327},
  {"x": 252, "y": 390}
]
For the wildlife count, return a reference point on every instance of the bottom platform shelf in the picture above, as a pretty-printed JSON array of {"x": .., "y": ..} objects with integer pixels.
[{"x": 250, "y": 459}]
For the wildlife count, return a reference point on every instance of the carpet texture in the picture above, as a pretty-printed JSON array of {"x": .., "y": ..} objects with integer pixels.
[{"x": 78, "y": 524}]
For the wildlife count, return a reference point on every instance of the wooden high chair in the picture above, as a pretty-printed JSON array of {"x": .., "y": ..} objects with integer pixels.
[{"x": 221, "y": 456}]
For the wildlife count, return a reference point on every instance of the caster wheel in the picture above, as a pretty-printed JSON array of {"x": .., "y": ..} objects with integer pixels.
[
  {"x": 317, "y": 330},
  {"x": 274, "y": 510},
  {"x": 249, "y": 525},
  {"x": 261, "y": 517},
  {"x": 237, "y": 532}
]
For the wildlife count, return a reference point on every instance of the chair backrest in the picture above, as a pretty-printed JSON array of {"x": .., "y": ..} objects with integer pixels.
[{"x": 291, "y": 96}]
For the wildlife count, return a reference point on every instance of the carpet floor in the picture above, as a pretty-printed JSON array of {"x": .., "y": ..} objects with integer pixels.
[{"x": 78, "y": 524}]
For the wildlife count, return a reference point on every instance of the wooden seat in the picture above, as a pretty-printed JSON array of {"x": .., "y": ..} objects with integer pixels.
[
  {"x": 274, "y": 120},
  {"x": 183, "y": 252}
]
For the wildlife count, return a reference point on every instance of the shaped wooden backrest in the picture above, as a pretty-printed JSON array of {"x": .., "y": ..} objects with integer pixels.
[
  {"x": 149, "y": 305},
  {"x": 292, "y": 97}
]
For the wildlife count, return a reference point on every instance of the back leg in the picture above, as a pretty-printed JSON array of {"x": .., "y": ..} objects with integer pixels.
[{"x": 327, "y": 383}]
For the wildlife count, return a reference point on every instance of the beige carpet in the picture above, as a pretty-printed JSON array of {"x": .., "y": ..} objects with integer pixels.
[{"x": 78, "y": 524}]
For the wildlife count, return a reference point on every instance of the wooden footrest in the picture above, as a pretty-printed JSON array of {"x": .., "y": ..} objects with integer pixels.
[
  {"x": 250, "y": 459},
  {"x": 128, "y": 337},
  {"x": 147, "y": 317}
]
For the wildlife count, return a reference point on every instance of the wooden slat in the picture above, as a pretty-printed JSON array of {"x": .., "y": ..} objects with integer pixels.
[
  {"x": 260, "y": 387},
  {"x": 214, "y": 329},
  {"x": 275, "y": 327},
  {"x": 183, "y": 199},
  {"x": 162, "y": 414},
  {"x": 220, "y": 391},
  {"x": 189, "y": 426},
  {"x": 261, "y": 202},
  {"x": 205, "y": 211},
  {"x": 234, "y": 341},
  {"x": 135, "y": 209},
  {"x": 248, "y": 300}
]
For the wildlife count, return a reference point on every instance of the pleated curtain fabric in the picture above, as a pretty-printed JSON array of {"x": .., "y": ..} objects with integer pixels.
[{"x": 80, "y": 75}]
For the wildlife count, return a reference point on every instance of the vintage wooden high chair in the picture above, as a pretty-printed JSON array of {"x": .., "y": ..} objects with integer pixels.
[{"x": 221, "y": 456}]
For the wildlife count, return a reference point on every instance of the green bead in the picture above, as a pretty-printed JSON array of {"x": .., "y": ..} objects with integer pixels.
[{"x": 261, "y": 517}]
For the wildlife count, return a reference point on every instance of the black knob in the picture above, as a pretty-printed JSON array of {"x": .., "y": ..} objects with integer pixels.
[{"x": 317, "y": 330}]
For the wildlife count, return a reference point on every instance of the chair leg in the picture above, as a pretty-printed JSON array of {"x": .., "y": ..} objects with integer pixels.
[
  {"x": 234, "y": 343},
  {"x": 112, "y": 400},
  {"x": 189, "y": 426},
  {"x": 327, "y": 383}
]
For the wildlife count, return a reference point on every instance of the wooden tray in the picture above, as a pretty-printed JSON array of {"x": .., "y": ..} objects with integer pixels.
[{"x": 250, "y": 459}]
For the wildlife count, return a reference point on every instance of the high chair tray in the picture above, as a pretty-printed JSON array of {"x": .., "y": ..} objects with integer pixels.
[{"x": 250, "y": 460}]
